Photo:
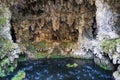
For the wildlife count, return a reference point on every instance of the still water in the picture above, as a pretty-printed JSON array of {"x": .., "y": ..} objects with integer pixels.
[{"x": 56, "y": 69}]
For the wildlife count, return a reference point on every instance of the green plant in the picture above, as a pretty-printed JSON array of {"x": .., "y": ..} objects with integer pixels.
[
  {"x": 6, "y": 45},
  {"x": 19, "y": 76},
  {"x": 41, "y": 44},
  {"x": 31, "y": 47},
  {"x": 108, "y": 45},
  {"x": 3, "y": 21},
  {"x": 118, "y": 41},
  {"x": 74, "y": 65},
  {"x": 1, "y": 11},
  {"x": 66, "y": 44},
  {"x": 22, "y": 58},
  {"x": 5, "y": 63}
]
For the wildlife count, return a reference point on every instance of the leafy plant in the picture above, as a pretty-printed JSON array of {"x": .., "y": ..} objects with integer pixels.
[{"x": 5, "y": 63}]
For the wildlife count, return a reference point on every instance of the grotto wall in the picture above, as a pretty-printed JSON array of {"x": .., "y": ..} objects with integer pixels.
[
  {"x": 107, "y": 50},
  {"x": 9, "y": 51},
  {"x": 46, "y": 25}
]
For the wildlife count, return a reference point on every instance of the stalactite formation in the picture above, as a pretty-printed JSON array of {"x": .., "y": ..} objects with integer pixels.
[{"x": 52, "y": 20}]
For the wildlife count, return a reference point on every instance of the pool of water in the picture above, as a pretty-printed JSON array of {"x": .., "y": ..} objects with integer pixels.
[{"x": 56, "y": 69}]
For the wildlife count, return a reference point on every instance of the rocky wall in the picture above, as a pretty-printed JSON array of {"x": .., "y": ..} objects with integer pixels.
[
  {"x": 107, "y": 50},
  {"x": 52, "y": 23},
  {"x": 9, "y": 51}
]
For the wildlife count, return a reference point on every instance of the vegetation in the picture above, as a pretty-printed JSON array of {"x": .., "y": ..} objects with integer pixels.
[
  {"x": 66, "y": 44},
  {"x": 46, "y": 55},
  {"x": 19, "y": 76},
  {"x": 31, "y": 48},
  {"x": 110, "y": 45},
  {"x": 3, "y": 21},
  {"x": 104, "y": 67},
  {"x": 36, "y": 46},
  {"x": 5, "y": 44},
  {"x": 6, "y": 66},
  {"x": 5, "y": 63},
  {"x": 22, "y": 58},
  {"x": 1, "y": 11},
  {"x": 74, "y": 65},
  {"x": 41, "y": 44}
]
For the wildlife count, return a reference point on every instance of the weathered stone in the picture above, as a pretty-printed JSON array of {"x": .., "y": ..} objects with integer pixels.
[
  {"x": 49, "y": 21},
  {"x": 104, "y": 63},
  {"x": 9, "y": 50},
  {"x": 116, "y": 58},
  {"x": 118, "y": 48},
  {"x": 116, "y": 74}
]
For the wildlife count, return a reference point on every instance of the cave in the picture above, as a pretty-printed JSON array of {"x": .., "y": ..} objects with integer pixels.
[
  {"x": 51, "y": 21},
  {"x": 59, "y": 35}
]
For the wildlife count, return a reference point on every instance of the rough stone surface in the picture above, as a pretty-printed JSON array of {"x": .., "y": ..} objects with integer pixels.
[
  {"x": 107, "y": 17},
  {"x": 104, "y": 63},
  {"x": 116, "y": 74},
  {"x": 9, "y": 51},
  {"x": 53, "y": 22}
]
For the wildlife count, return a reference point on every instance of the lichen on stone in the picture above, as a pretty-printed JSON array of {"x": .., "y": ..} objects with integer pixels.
[{"x": 109, "y": 46}]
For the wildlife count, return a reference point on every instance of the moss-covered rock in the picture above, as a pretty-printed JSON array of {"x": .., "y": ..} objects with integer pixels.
[
  {"x": 109, "y": 46},
  {"x": 19, "y": 76},
  {"x": 9, "y": 51},
  {"x": 104, "y": 63},
  {"x": 3, "y": 21}
]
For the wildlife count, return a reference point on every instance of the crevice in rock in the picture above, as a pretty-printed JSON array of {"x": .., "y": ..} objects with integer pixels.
[
  {"x": 94, "y": 27},
  {"x": 12, "y": 32}
]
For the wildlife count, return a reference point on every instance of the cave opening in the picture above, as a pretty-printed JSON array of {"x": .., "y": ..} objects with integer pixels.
[{"x": 51, "y": 25}]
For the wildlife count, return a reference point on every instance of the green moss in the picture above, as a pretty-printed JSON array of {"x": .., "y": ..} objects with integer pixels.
[
  {"x": 31, "y": 47},
  {"x": 19, "y": 76},
  {"x": 2, "y": 74},
  {"x": 5, "y": 64},
  {"x": 66, "y": 44},
  {"x": 39, "y": 55},
  {"x": 1, "y": 11},
  {"x": 104, "y": 67},
  {"x": 56, "y": 56},
  {"x": 22, "y": 58},
  {"x": 41, "y": 45},
  {"x": 3, "y": 21},
  {"x": 108, "y": 45},
  {"x": 74, "y": 65},
  {"x": 6, "y": 45},
  {"x": 118, "y": 41},
  {"x": 1, "y": 29},
  {"x": 46, "y": 55}
]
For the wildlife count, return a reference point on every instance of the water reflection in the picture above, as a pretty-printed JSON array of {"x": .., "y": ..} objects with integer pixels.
[{"x": 55, "y": 69}]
